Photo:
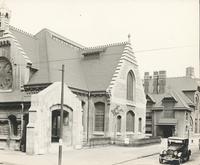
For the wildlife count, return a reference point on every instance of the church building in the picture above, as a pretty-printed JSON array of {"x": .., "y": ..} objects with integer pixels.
[{"x": 103, "y": 92}]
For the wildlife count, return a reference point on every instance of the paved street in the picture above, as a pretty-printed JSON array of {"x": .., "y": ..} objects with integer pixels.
[
  {"x": 153, "y": 160},
  {"x": 102, "y": 155}
]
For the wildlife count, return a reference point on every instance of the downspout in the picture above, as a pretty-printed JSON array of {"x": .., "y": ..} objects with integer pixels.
[
  {"x": 88, "y": 117},
  {"x": 22, "y": 121}
]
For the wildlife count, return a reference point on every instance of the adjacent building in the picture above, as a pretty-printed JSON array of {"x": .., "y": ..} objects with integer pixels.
[
  {"x": 172, "y": 104},
  {"x": 103, "y": 93}
]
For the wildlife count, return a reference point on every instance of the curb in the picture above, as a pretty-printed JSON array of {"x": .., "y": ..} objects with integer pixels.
[{"x": 139, "y": 157}]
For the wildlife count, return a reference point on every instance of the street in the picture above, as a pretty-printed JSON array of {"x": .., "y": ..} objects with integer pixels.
[
  {"x": 153, "y": 160},
  {"x": 101, "y": 155}
]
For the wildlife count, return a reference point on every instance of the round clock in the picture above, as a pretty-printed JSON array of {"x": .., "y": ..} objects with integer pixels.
[{"x": 6, "y": 78}]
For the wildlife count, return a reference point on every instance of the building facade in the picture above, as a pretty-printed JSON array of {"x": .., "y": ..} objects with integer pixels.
[
  {"x": 103, "y": 93},
  {"x": 172, "y": 104}
]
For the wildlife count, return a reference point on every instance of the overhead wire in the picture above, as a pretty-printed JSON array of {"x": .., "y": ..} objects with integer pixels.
[{"x": 110, "y": 54}]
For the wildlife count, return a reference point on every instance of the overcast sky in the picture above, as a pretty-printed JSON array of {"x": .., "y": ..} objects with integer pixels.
[{"x": 164, "y": 33}]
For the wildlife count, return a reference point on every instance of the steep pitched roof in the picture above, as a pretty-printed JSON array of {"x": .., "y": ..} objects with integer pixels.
[
  {"x": 29, "y": 43},
  {"x": 179, "y": 100},
  {"x": 99, "y": 70},
  {"x": 175, "y": 88},
  {"x": 49, "y": 50}
]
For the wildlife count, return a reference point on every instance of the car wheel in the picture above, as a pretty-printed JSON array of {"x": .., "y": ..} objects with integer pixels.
[
  {"x": 161, "y": 161},
  {"x": 179, "y": 161}
]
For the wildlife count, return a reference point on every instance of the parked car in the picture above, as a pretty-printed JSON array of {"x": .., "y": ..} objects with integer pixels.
[{"x": 177, "y": 151}]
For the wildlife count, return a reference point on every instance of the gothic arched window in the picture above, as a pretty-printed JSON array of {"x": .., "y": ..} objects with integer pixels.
[
  {"x": 119, "y": 120},
  {"x": 140, "y": 125},
  {"x": 130, "y": 121},
  {"x": 13, "y": 125},
  {"x": 99, "y": 116},
  {"x": 130, "y": 86}
]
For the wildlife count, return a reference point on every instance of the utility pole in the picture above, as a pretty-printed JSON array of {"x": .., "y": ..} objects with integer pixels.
[{"x": 61, "y": 119}]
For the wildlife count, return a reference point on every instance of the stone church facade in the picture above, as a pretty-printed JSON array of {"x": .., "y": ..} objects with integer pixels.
[{"x": 103, "y": 93}]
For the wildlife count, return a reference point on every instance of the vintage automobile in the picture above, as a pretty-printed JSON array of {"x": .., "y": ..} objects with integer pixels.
[{"x": 177, "y": 151}]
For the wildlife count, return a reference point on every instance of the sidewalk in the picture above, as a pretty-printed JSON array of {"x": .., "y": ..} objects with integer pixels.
[{"x": 108, "y": 155}]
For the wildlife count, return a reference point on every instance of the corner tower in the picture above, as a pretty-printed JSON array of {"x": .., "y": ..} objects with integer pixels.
[{"x": 5, "y": 14}]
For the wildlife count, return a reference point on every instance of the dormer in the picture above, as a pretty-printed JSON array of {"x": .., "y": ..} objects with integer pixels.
[{"x": 92, "y": 53}]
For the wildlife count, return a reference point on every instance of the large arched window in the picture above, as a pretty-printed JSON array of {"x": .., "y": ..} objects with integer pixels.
[
  {"x": 6, "y": 78},
  {"x": 99, "y": 116},
  {"x": 130, "y": 121},
  {"x": 119, "y": 118},
  {"x": 130, "y": 86}
]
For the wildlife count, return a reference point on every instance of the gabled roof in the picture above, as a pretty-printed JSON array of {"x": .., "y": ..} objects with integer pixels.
[
  {"x": 49, "y": 50},
  {"x": 176, "y": 89},
  {"x": 179, "y": 99}
]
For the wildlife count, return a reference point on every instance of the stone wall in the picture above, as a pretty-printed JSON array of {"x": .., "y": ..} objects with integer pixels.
[
  {"x": 40, "y": 125},
  {"x": 119, "y": 98}
]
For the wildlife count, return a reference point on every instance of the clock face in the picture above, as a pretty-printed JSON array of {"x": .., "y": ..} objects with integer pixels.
[{"x": 5, "y": 74}]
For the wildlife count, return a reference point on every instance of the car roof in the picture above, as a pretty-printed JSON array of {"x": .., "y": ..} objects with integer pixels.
[{"x": 177, "y": 138}]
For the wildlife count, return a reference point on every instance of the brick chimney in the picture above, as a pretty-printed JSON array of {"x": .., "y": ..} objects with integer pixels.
[
  {"x": 162, "y": 81},
  {"x": 155, "y": 82},
  {"x": 190, "y": 72},
  {"x": 146, "y": 82}
]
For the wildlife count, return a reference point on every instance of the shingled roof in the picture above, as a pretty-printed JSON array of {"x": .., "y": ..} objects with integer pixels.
[
  {"x": 175, "y": 89},
  {"x": 88, "y": 69}
]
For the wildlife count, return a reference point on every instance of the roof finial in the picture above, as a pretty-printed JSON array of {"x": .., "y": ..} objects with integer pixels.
[{"x": 129, "y": 37}]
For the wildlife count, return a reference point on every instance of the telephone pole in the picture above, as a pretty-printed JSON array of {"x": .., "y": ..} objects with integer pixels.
[{"x": 61, "y": 118}]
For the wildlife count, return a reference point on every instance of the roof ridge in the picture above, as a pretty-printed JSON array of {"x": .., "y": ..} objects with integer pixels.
[
  {"x": 107, "y": 45},
  {"x": 22, "y": 31},
  {"x": 65, "y": 39}
]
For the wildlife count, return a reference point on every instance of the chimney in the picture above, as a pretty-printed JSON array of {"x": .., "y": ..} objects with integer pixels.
[
  {"x": 155, "y": 82},
  {"x": 162, "y": 81},
  {"x": 146, "y": 82},
  {"x": 190, "y": 72}
]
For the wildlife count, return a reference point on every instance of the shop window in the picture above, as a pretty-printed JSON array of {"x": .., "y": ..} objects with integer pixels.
[
  {"x": 99, "y": 116},
  {"x": 130, "y": 121}
]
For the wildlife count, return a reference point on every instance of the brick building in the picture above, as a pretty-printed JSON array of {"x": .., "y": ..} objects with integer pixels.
[
  {"x": 172, "y": 104},
  {"x": 103, "y": 94}
]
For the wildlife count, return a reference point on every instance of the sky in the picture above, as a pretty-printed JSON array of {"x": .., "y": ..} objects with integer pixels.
[{"x": 164, "y": 33}]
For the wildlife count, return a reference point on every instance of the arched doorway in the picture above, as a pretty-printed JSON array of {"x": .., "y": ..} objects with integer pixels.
[
  {"x": 67, "y": 126},
  {"x": 130, "y": 121}
]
